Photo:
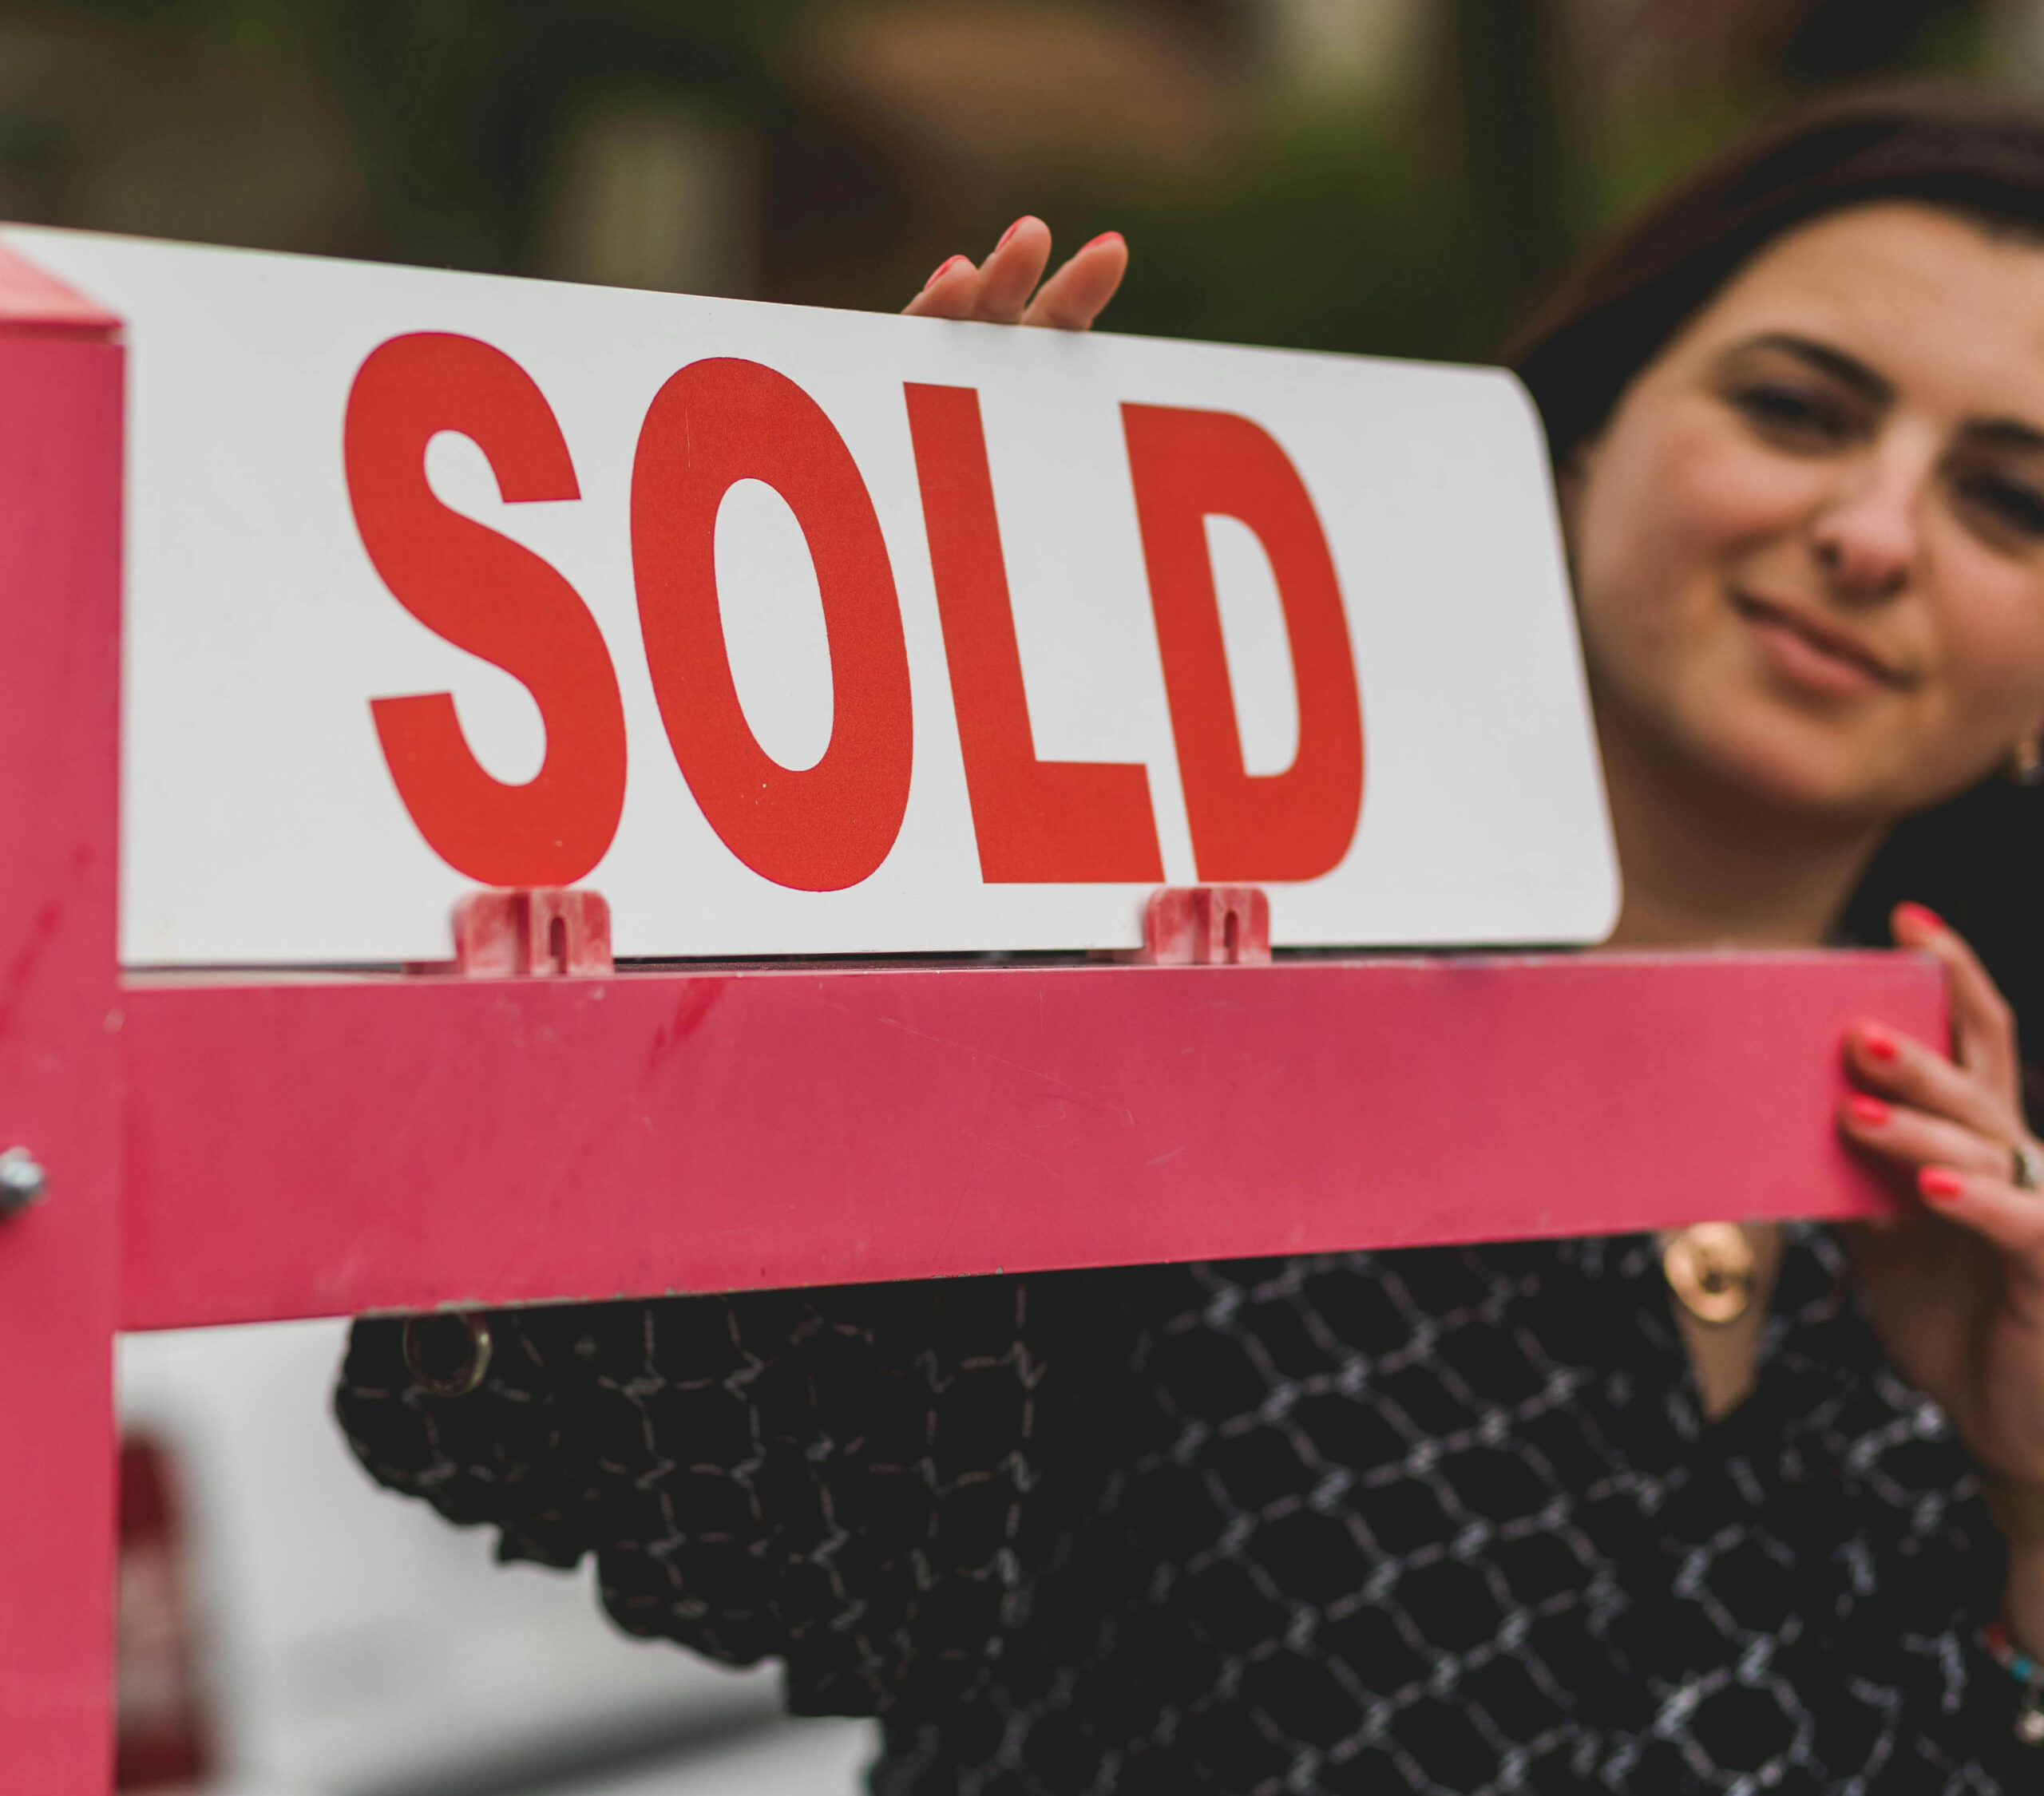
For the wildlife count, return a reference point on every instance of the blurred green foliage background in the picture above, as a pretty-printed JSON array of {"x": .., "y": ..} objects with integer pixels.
[{"x": 1393, "y": 175}]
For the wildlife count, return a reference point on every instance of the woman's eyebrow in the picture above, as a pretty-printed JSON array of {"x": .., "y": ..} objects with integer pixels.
[
  {"x": 2003, "y": 433},
  {"x": 1847, "y": 370},
  {"x": 2009, "y": 434}
]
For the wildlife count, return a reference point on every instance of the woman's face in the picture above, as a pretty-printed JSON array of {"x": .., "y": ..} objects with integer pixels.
[{"x": 1809, "y": 543}]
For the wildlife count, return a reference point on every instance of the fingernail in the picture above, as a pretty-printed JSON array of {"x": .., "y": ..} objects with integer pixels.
[
  {"x": 944, "y": 268},
  {"x": 1919, "y": 917},
  {"x": 1012, "y": 229},
  {"x": 1938, "y": 1184},
  {"x": 1863, "y": 1109},
  {"x": 1878, "y": 1043},
  {"x": 1104, "y": 237}
]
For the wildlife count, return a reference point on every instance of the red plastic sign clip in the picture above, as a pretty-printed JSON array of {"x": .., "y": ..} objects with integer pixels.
[
  {"x": 532, "y": 932},
  {"x": 1207, "y": 926}
]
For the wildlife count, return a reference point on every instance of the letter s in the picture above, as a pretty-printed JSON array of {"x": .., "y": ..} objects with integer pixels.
[{"x": 485, "y": 594}]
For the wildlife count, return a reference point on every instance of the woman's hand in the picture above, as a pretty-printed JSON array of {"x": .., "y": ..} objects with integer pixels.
[
  {"x": 998, "y": 291},
  {"x": 1956, "y": 1285}
]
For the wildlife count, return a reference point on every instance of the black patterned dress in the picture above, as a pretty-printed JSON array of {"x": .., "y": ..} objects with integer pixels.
[{"x": 1446, "y": 1521}]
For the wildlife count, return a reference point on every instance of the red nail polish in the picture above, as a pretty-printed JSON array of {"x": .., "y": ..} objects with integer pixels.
[
  {"x": 1104, "y": 237},
  {"x": 1878, "y": 1043},
  {"x": 1938, "y": 1184},
  {"x": 944, "y": 268},
  {"x": 1921, "y": 916},
  {"x": 1009, "y": 232},
  {"x": 1863, "y": 1109}
]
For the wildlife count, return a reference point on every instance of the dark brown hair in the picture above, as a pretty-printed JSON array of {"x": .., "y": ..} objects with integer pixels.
[
  {"x": 1978, "y": 860},
  {"x": 1976, "y": 152}
]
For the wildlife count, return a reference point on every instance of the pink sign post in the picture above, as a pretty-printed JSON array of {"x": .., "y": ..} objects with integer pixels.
[{"x": 59, "y": 622}]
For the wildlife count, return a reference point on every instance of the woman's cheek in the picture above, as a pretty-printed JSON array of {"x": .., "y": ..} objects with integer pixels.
[
  {"x": 1727, "y": 494},
  {"x": 1985, "y": 671},
  {"x": 1992, "y": 631},
  {"x": 1682, "y": 503}
]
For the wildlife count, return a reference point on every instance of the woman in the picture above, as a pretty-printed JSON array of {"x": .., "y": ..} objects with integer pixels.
[{"x": 1511, "y": 1518}]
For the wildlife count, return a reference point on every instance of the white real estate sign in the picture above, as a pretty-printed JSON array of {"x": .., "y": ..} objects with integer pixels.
[{"x": 802, "y": 632}]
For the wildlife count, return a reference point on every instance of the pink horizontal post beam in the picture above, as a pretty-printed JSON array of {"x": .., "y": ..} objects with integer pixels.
[{"x": 320, "y": 1148}]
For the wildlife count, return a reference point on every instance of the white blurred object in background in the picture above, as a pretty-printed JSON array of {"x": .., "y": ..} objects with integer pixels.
[{"x": 304, "y": 1633}]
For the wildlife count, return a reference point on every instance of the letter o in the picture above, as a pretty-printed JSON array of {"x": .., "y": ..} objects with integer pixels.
[{"x": 717, "y": 422}]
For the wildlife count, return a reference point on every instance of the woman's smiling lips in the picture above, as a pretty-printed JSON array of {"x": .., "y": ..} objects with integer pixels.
[{"x": 1813, "y": 652}]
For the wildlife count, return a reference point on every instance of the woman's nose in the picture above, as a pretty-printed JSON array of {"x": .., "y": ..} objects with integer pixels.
[{"x": 1867, "y": 541}]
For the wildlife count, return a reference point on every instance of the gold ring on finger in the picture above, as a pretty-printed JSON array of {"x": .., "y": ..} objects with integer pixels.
[{"x": 2026, "y": 1166}]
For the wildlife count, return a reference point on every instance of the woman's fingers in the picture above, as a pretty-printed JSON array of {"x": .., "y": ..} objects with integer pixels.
[
  {"x": 1913, "y": 1139},
  {"x": 997, "y": 291},
  {"x": 1072, "y": 298},
  {"x": 1898, "y": 1066},
  {"x": 1009, "y": 275},
  {"x": 952, "y": 291},
  {"x": 1991, "y": 1207},
  {"x": 1983, "y": 1026},
  {"x": 1965, "y": 1178}
]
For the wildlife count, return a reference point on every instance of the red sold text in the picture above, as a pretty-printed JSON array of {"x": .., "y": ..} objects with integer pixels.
[{"x": 826, "y": 827}]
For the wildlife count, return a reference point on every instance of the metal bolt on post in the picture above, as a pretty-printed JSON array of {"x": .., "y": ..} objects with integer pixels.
[{"x": 23, "y": 1182}]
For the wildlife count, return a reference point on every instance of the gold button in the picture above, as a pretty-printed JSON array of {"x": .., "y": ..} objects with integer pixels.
[{"x": 1709, "y": 1267}]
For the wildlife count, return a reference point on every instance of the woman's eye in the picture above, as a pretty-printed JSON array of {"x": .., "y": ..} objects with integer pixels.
[
  {"x": 1792, "y": 412},
  {"x": 2015, "y": 504}
]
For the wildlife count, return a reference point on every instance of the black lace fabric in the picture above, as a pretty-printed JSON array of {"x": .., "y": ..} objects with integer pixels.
[{"x": 1446, "y": 1521}]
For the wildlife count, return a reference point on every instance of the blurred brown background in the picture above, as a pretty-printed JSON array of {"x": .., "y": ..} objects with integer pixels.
[{"x": 1396, "y": 176}]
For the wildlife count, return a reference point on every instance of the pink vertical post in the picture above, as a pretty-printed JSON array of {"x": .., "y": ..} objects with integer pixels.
[{"x": 60, "y": 571}]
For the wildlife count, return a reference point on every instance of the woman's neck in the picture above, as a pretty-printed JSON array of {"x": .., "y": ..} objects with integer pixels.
[{"x": 1706, "y": 865}]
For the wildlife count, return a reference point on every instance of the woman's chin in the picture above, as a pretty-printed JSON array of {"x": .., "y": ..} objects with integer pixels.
[{"x": 1798, "y": 772}]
